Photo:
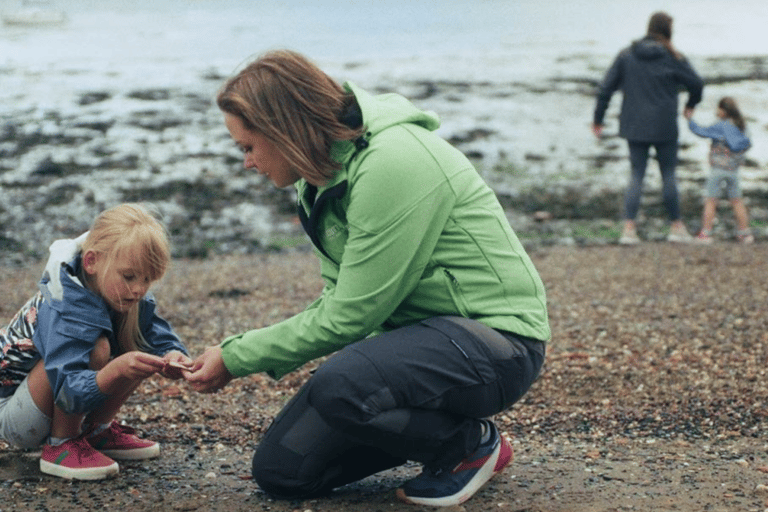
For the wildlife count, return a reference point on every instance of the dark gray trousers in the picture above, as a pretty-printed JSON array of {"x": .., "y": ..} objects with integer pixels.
[
  {"x": 666, "y": 154},
  {"x": 414, "y": 393}
]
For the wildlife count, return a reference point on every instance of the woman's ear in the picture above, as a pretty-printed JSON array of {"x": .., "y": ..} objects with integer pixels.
[{"x": 89, "y": 262}]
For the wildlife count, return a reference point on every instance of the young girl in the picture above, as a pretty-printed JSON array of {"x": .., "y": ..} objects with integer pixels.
[
  {"x": 77, "y": 350},
  {"x": 729, "y": 144}
]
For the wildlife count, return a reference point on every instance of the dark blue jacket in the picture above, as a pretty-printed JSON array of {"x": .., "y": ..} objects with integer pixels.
[
  {"x": 650, "y": 78},
  {"x": 65, "y": 331}
]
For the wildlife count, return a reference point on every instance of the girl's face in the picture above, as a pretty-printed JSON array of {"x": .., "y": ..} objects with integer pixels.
[
  {"x": 721, "y": 113},
  {"x": 119, "y": 284},
  {"x": 261, "y": 154}
]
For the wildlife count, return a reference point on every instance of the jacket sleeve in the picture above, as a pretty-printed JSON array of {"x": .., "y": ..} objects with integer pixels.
[
  {"x": 723, "y": 131},
  {"x": 157, "y": 332},
  {"x": 65, "y": 341},
  {"x": 691, "y": 81},
  {"x": 399, "y": 205},
  {"x": 609, "y": 85}
]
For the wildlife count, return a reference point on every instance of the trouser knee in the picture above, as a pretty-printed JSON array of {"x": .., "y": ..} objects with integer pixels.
[{"x": 279, "y": 476}]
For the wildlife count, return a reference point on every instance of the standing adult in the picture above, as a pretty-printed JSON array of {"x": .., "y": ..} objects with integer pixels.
[
  {"x": 650, "y": 74},
  {"x": 437, "y": 315}
]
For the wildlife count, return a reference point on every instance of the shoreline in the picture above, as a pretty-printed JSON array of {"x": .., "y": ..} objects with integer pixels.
[{"x": 62, "y": 162}]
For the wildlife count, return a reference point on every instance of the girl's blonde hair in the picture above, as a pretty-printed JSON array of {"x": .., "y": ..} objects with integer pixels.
[
  {"x": 296, "y": 106},
  {"x": 133, "y": 231},
  {"x": 732, "y": 111}
]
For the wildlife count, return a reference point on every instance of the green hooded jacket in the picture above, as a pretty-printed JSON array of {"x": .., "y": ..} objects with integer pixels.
[{"x": 407, "y": 230}]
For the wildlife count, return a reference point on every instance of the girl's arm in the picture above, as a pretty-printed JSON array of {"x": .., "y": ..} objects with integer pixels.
[
  {"x": 714, "y": 132},
  {"x": 125, "y": 371},
  {"x": 724, "y": 131},
  {"x": 157, "y": 331}
]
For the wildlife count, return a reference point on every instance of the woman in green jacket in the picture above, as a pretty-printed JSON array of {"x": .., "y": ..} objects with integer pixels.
[{"x": 435, "y": 313}]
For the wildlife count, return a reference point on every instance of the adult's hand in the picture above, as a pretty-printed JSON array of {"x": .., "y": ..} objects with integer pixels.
[
  {"x": 208, "y": 373},
  {"x": 597, "y": 129}
]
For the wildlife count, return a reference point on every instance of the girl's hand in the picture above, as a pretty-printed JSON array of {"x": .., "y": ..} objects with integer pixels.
[
  {"x": 175, "y": 363},
  {"x": 126, "y": 370},
  {"x": 208, "y": 373}
]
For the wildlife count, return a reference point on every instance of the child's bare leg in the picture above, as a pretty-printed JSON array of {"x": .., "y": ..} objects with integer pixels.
[
  {"x": 740, "y": 212},
  {"x": 708, "y": 216},
  {"x": 105, "y": 414},
  {"x": 63, "y": 425}
]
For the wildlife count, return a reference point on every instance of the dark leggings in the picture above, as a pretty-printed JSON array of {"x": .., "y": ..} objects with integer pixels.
[
  {"x": 666, "y": 153},
  {"x": 414, "y": 393}
]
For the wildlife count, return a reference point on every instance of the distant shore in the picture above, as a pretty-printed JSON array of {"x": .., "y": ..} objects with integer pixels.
[{"x": 60, "y": 166}]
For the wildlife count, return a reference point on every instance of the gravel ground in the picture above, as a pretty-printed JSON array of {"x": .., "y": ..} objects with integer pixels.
[{"x": 653, "y": 395}]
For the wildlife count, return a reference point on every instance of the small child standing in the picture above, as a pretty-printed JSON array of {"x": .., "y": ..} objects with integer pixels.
[
  {"x": 76, "y": 351},
  {"x": 729, "y": 144}
]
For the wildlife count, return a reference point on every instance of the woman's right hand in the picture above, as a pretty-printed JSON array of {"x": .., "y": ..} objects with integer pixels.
[{"x": 208, "y": 373}]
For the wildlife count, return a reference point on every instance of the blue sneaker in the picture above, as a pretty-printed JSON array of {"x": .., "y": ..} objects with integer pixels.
[{"x": 443, "y": 488}]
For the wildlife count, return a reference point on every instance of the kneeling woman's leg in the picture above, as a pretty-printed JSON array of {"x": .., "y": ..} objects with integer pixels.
[{"x": 415, "y": 393}]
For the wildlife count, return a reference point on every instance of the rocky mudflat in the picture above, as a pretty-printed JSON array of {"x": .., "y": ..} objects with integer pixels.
[
  {"x": 66, "y": 158},
  {"x": 653, "y": 395}
]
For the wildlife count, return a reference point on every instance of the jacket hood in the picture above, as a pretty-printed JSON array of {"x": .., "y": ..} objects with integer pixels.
[
  {"x": 379, "y": 113},
  {"x": 649, "y": 49},
  {"x": 385, "y": 110}
]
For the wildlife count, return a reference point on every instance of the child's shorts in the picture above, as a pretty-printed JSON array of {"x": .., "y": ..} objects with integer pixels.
[
  {"x": 22, "y": 423},
  {"x": 719, "y": 177}
]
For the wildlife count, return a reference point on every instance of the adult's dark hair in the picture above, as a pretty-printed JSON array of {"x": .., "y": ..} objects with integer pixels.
[
  {"x": 660, "y": 29},
  {"x": 660, "y": 26}
]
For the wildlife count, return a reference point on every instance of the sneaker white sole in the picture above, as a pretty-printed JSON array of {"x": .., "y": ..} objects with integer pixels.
[
  {"x": 149, "y": 452},
  {"x": 480, "y": 479},
  {"x": 81, "y": 473}
]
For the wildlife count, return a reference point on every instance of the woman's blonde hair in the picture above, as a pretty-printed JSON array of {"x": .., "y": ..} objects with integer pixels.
[
  {"x": 133, "y": 231},
  {"x": 296, "y": 106}
]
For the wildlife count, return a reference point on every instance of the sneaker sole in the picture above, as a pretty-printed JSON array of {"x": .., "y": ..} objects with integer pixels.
[
  {"x": 79, "y": 474},
  {"x": 148, "y": 452},
  {"x": 502, "y": 456}
]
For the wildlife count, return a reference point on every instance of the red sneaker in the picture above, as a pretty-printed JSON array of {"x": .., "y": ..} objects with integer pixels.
[
  {"x": 76, "y": 459},
  {"x": 121, "y": 442}
]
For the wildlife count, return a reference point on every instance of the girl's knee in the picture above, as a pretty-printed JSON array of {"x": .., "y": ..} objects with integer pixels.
[{"x": 100, "y": 354}]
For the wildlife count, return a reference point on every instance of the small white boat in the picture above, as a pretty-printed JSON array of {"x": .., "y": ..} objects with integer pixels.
[{"x": 35, "y": 14}]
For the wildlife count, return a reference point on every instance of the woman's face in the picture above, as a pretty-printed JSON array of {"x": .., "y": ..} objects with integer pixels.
[{"x": 260, "y": 154}]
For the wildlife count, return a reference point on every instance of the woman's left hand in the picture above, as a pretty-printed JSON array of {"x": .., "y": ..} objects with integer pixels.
[{"x": 208, "y": 373}]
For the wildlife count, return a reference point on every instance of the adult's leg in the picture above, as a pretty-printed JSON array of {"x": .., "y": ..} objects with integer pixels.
[
  {"x": 666, "y": 152},
  {"x": 638, "y": 159},
  {"x": 415, "y": 393},
  {"x": 302, "y": 456}
]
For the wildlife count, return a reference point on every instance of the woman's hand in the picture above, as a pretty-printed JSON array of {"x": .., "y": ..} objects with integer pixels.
[
  {"x": 126, "y": 370},
  {"x": 175, "y": 363},
  {"x": 208, "y": 373}
]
